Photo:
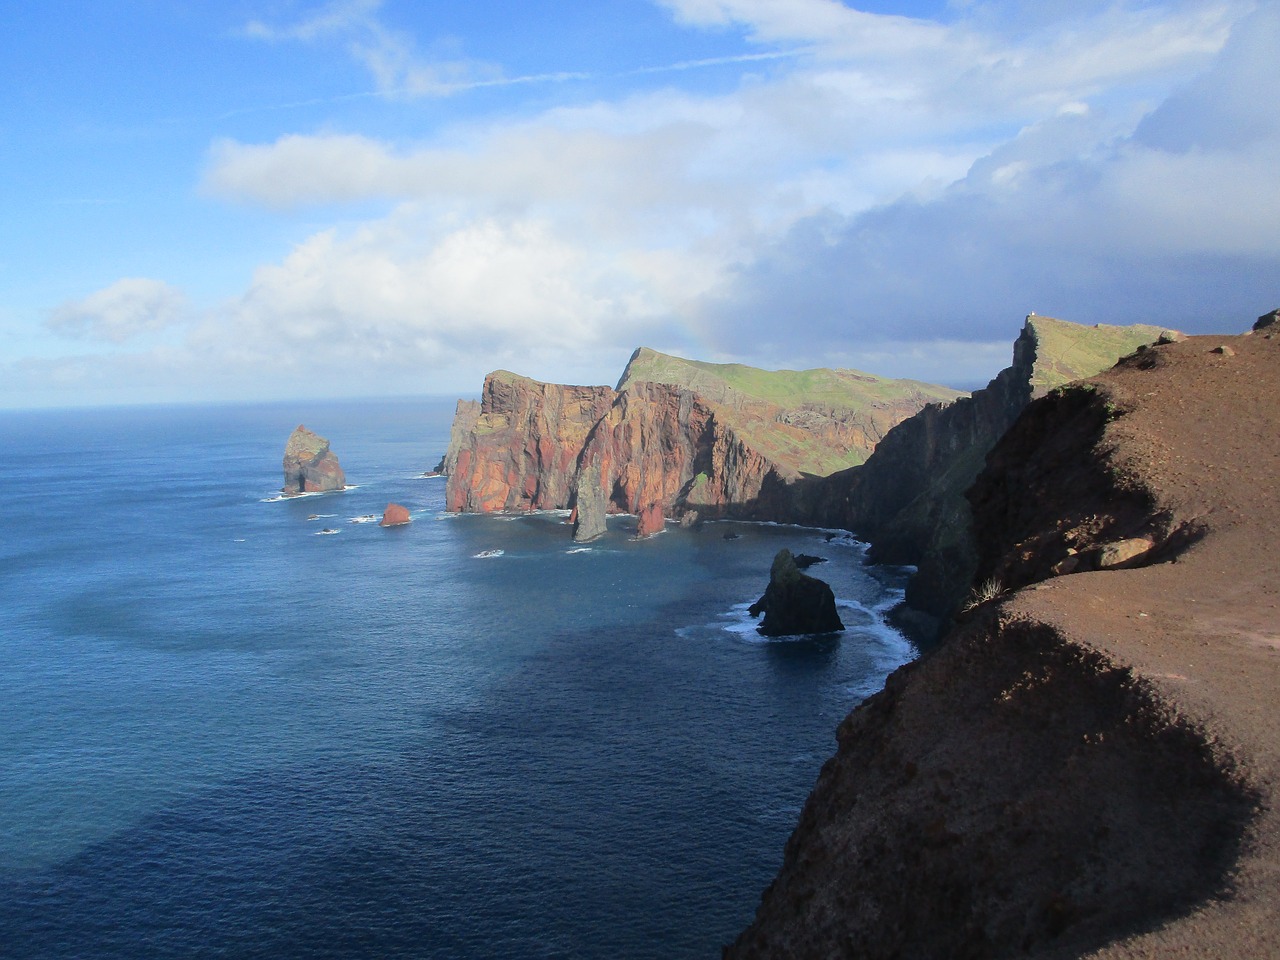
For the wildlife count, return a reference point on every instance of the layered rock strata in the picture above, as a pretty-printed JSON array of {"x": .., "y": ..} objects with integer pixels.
[
  {"x": 1087, "y": 766},
  {"x": 675, "y": 436},
  {"x": 309, "y": 465},
  {"x": 521, "y": 450}
]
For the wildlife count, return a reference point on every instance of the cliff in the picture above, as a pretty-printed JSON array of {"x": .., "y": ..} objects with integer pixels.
[
  {"x": 309, "y": 465},
  {"x": 1088, "y": 764},
  {"x": 674, "y": 436},
  {"x": 521, "y": 447},
  {"x": 908, "y": 501}
]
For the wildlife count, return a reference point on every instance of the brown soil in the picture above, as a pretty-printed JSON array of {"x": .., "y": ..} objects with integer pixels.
[{"x": 1200, "y": 431}]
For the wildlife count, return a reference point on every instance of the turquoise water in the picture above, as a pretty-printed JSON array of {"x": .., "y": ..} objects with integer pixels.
[{"x": 226, "y": 733}]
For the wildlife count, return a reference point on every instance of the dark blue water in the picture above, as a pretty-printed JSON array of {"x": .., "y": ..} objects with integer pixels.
[{"x": 226, "y": 734}]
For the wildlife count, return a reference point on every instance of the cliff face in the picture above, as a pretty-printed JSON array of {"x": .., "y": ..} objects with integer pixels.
[
  {"x": 1088, "y": 763},
  {"x": 675, "y": 436},
  {"x": 908, "y": 499},
  {"x": 521, "y": 450}
]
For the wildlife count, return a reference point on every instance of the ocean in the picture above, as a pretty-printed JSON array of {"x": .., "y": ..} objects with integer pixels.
[{"x": 225, "y": 732}]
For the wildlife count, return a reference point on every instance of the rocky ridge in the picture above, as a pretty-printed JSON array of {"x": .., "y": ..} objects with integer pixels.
[
  {"x": 1087, "y": 766},
  {"x": 908, "y": 500},
  {"x": 675, "y": 436}
]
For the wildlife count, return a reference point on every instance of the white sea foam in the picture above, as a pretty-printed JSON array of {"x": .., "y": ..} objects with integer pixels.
[
  {"x": 307, "y": 493},
  {"x": 579, "y": 550},
  {"x": 487, "y": 554},
  {"x": 367, "y": 518},
  {"x": 326, "y": 532}
]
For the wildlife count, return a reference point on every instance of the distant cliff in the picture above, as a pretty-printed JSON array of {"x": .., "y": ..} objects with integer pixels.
[
  {"x": 1087, "y": 765},
  {"x": 674, "y": 436},
  {"x": 908, "y": 500}
]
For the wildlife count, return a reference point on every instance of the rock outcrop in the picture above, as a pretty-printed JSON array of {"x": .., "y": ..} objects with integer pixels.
[
  {"x": 589, "y": 507},
  {"x": 675, "y": 436},
  {"x": 1088, "y": 763},
  {"x": 309, "y": 465},
  {"x": 908, "y": 500},
  {"x": 794, "y": 602},
  {"x": 521, "y": 450},
  {"x": 395, "y": 516}
]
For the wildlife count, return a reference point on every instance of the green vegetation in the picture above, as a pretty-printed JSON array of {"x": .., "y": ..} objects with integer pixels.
[
  {"x": 806, "y": 421},
  {"x": 1068, "y": 351},
  {"x": 786, "y": 388}
]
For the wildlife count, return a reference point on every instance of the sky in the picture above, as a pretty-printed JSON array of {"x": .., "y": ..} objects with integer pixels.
[{"x": 266, "y": 199}]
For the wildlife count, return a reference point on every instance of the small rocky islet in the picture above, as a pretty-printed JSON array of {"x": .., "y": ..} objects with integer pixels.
[{"x": 309, "y": 465}]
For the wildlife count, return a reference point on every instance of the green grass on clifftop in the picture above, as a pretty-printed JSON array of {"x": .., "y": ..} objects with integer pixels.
[
  {"x": 1071, "y": 351},
  {"x": 786, "y": 388},
  {"x": 788, "y": 415}
]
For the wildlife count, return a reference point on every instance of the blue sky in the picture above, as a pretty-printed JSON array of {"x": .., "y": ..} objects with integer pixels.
[{"x": 260, "y": 199}]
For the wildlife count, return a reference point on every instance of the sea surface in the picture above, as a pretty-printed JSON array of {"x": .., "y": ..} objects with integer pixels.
[{"x": 228, "y": 732}]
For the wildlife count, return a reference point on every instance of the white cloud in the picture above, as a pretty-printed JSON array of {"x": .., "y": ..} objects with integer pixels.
[
  {"x": 123, "y": 311},
  {"x": 389, "y": 55},
  {"x": 1178, "y": 224},
  {"x": 895, "y": 197}
]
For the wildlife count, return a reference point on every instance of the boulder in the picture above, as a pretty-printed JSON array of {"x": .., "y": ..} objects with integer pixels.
[
  {"x": 651, "y": 520},
  {"x": 394, "y": 516},
  {"x": 795, "y": 602},
  {"x": 309, "y": 465}
]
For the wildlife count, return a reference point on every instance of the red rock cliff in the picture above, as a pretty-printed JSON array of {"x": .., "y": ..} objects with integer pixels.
[
  {"x": 676, "y": 435},
  {"x": 521, "y": 451}
]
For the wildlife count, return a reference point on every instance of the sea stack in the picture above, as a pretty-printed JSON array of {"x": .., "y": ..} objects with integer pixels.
[
  {"x": 589, "y": 511},
  {"x": 795, "y": 602},
  {"x": 309, "y": 464},
  {"x": 395, "y": 516}
]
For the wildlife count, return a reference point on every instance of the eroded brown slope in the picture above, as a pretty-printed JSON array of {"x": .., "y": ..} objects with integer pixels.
[{"x": 1088, "y": 765}]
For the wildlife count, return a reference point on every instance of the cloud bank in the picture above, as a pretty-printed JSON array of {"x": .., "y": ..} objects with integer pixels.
[{"x": 881, "y": 192}]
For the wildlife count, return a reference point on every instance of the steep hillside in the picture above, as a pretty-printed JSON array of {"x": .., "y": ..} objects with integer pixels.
[
  {"x": 1088, "y": 765},
  {"x": 804, "y": 421},
  {"x": 908, "y": 500}
]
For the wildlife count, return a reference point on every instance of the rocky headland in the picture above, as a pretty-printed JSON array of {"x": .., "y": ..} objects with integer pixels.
[
  {"x": 309, "y": 465},
  {"x": 1087, "y": 765},
  {"x": 908, "y": 499},
  {"x": 675, "y": 436}
]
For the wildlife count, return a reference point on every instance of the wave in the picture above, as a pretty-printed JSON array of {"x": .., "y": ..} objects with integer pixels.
[
  {"x": 279, "y": 497},
  {"x": 366, "y": 518},
  {"x": 487, "y": 554}
]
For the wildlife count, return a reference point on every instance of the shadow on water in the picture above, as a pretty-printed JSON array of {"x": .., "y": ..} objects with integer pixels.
[{"x": 803, "y": 654}]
